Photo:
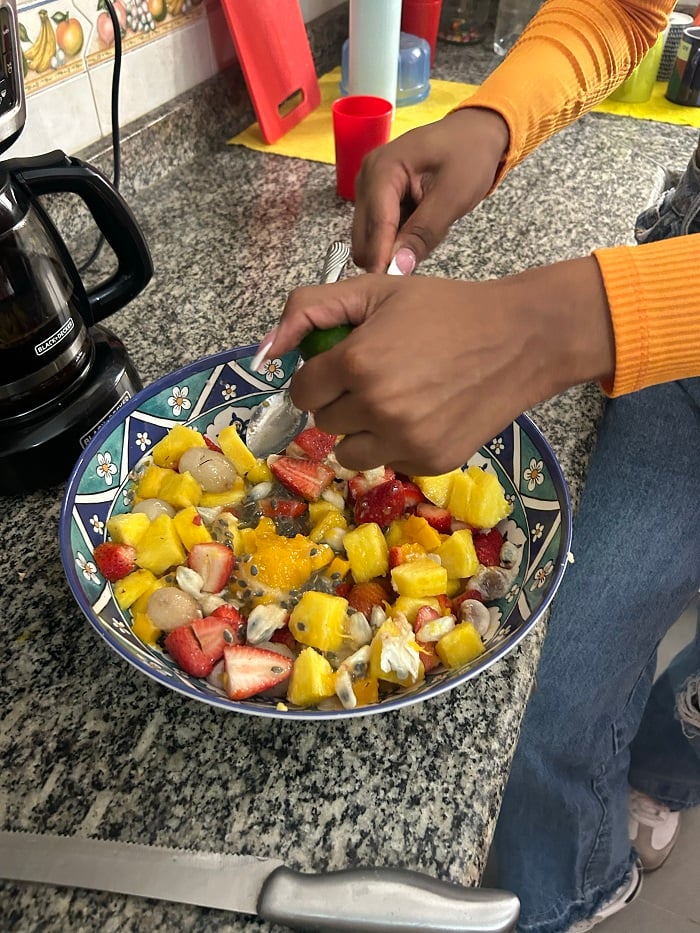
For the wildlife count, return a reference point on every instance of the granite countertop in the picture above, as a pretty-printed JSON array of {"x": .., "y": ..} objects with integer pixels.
[{"x": 90, "y": 746}]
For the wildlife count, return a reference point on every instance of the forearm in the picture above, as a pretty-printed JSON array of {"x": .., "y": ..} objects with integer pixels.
[
  {"x": 655, "y": 312},
  {"x": 569, "y": 58}
]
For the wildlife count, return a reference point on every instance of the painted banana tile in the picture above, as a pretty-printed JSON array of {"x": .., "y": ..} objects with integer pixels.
[{"x": 52, "y": 38}]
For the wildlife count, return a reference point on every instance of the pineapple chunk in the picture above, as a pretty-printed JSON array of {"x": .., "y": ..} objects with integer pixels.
[
  {"x": 460, "y": 646},
  {"x": 233, "y": 447},
  {"x": 149, "y": 485},
  {"x": 129, "y": 588},
  {"x": 260, "y": 473},
  {"x": 180, "y": 490},
  {"x": 141, "y": 604},
  {"x": 144, "y": 629},
  {"x": 331, "y": 519},
  {"x": 318, "y": 509},
  {"x": 478, "y": 499},
  {"x": 160, "y": 547},
  {"x": 312, "y": 679},
  {"x": 214, "y": 500},
  {"x": 169, "y": 449},
  {"x": 422, "y": 577},
  {"x": 458, "y": 555},
  {"x": 367, "y": 552},
  {"x": 410, "y": 605},
  {"x": 436, "y": 488},
  {"x": 489, "y": 505},
  {"x": 128, "y": 528},
  {"x": 190, "y": 527},
  {"x": 319, "y": 620}
]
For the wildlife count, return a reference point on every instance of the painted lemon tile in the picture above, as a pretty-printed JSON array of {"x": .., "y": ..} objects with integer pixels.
[{"x": 52, "y": 38}]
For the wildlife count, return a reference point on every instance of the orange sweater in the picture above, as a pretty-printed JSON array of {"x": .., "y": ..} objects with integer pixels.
[{"x": 570, "y": 57}]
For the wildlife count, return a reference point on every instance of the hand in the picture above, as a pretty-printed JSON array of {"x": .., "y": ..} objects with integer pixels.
[
  {"x": 429, "y": 177},
  {"x": 422, "y": 391}
]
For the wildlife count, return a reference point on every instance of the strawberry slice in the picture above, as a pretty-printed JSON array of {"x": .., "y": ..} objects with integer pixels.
[
  {"x": 211, "y": 445},
  {"x": 438, "y": 518},
  {"x": 487, "y": 545},
  {"x": 283, "y": 636},
  {"x": 214, "y": 562},
  {"x": 429, "y": 656},
  {"x": 411, "y": 494},
  {"x": 114, "y": 561},
  {"x": 251, "y": 670},
  {"x": 363, "y": 597},
  {"x": 381, "y": 504},
  {"x": 282, "y": 508},
  {"x": 183, "y": 647},
  {"x": 312, "y": 444},
  {"x": 425, "y": 614},
  {"x": 219, "y": 629},
  {"x": 302, "y": 477},
  {"x": 396, "y": 556},
  {"x": 361, "y": 483}
]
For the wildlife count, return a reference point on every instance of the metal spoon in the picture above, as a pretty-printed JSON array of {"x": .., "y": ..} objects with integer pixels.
[{"x": 274, "y": 423}]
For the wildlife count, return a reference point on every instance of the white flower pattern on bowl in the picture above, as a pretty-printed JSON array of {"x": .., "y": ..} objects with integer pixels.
[{"x": 178, "y": 401}]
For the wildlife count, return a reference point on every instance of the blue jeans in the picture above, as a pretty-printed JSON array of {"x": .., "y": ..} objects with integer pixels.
[{"x": 596, "y": 721}]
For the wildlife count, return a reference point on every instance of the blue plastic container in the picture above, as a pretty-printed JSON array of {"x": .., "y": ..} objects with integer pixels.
[{"x": 413, "y": 70}]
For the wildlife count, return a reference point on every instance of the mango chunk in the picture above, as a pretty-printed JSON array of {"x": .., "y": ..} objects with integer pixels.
[{"x": 144, "y": 629}]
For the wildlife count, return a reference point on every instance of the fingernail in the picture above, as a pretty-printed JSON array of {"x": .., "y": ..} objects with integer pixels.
[
  {"x": 403, "y": 263},
  {"x": 263, "y": 349}
]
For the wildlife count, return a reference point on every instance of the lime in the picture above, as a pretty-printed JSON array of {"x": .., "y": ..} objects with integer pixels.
[{"x": 318, "y": 341}]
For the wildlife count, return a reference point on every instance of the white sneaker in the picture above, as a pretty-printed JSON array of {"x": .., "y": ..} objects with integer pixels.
[
  {"x": 624, "y": 896},
  {"x": 653, "y": 829}
]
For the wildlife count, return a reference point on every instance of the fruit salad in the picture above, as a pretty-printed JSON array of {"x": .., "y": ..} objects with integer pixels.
[{"x": 294, "y": 578}]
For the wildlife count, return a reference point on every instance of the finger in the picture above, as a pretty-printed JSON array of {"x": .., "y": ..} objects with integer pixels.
[
  {"x": 362, "y": 451},
  {"x": 348, "y": 302},
  {"x": 380, "y": 194}
]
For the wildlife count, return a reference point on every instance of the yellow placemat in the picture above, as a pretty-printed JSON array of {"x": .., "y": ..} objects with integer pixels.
[{"x": 312, "y": 139}]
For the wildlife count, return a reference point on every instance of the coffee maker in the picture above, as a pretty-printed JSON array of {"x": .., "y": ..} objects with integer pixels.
[{"x": 62, "y": 373}]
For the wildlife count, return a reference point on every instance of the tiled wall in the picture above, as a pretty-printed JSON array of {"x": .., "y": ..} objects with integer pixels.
[{"x": 169, "y": 46}]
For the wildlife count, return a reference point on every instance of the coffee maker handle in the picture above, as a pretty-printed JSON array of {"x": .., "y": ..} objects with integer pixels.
[{"x": 55, "y": 172}]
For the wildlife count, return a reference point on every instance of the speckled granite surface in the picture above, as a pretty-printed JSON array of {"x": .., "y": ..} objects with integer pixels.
[{"x": 89, "y": 746}]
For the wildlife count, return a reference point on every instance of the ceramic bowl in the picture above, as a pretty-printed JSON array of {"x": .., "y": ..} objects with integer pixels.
[{"x": 222, "y": 389}]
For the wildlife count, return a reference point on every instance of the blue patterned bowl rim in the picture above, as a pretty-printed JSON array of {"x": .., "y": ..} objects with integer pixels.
[{"x": 195, "y": 689}]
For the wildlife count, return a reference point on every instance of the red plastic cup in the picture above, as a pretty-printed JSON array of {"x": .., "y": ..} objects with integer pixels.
[
  {"x": 422, "y": 18},
  {"x": 360, "y": 124}
]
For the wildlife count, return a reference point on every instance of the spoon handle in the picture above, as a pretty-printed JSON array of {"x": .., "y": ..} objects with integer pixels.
[{"x": 317, "y": 341}]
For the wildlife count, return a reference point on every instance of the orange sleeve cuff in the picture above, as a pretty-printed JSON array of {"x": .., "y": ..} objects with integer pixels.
[{"x": 655, "y": 311}]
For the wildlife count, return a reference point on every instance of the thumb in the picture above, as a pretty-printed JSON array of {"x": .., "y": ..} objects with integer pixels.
[{"x": 322, "y": 306}]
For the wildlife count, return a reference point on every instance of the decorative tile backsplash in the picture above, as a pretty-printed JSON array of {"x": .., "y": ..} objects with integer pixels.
[{"x": 169, "y": 46}]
